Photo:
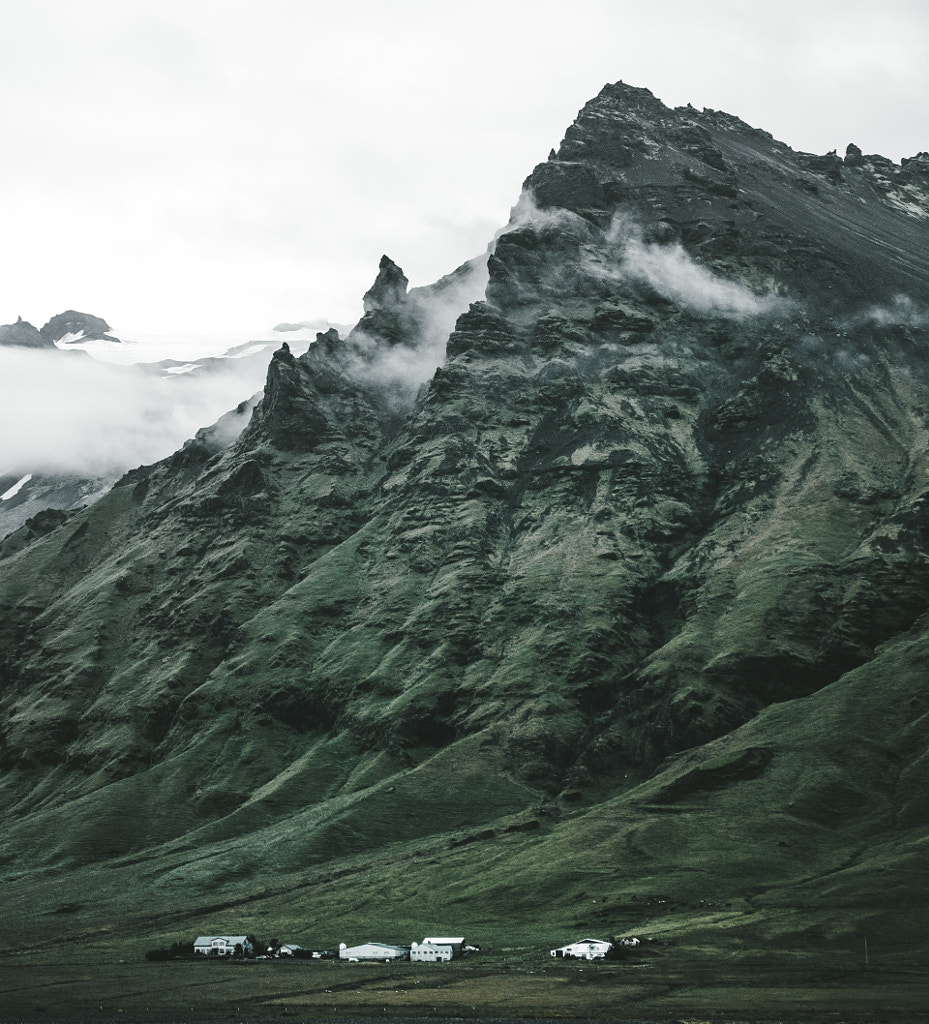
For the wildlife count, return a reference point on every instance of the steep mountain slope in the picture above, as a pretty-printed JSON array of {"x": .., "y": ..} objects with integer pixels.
[{"x": 632, "y": 589}]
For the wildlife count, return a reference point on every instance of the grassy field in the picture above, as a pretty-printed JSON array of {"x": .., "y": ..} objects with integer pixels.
[
  {"x": 745, "y": 928},
  {"x": 513, "y": 983}
]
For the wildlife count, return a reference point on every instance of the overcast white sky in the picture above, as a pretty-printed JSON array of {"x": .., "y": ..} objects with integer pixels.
[{"x": 200, "y": 165}]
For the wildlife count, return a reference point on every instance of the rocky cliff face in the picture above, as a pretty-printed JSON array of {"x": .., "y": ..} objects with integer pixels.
[{"x": 659, "y": 509}]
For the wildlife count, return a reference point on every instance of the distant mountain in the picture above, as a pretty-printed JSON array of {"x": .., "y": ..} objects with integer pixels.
[
  {"x": 69, "y": 326},
  {"x": 23, "y": 334},
  {"x": 74, "y": 326},
  {"x": 86, "y": 452},
  {"x": 587, "y": 587}
]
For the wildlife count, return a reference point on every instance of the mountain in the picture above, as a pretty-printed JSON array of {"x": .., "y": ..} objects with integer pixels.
[
  {"x": 64, "y": 327},
  {"x": 586, "y": 588},
  {"x": 23, "y": 334},
  {"x": 72, "y": 326}
]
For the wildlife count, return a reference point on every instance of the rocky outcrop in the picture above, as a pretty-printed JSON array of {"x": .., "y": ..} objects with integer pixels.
[
  {"x": 389, "y": 288},
  {"x": 23, "y": 334}
]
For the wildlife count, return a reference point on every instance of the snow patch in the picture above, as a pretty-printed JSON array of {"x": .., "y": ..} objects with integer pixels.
[
  {"x": 70, "y": 339},
  {"x": 16, "y": 488},
  {"x": 908, "y": 201}
]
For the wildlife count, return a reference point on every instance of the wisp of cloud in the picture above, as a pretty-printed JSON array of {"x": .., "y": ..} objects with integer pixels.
[
  {"x": 403, "y": 368},
  {"x": 675, "y": 275},
  {"x": 902, "y": 312}
]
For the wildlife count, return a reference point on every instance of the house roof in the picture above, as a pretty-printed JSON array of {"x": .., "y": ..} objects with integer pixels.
[
  {"x": 586, "y": 942},
  {"x": 374, "y": 945},
  {"x": 207, "y": 940},
  {"x": 429, "y": 941}
]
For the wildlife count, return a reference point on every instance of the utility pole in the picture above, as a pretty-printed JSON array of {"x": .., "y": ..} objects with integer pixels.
[{"x": 866, "y": 962}]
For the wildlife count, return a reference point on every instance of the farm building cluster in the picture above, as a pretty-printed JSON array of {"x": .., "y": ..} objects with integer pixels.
[{"x": 432, "y": 949}]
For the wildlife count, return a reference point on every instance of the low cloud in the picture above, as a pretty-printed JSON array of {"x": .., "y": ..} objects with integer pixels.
[
  {"x": 902, "y": 312},
  {"x": 675, "y": 275},
  {"x": 69, "y": 413},
  {"x": 527, "y": 213},
  {"x": 622, "y": 254}
]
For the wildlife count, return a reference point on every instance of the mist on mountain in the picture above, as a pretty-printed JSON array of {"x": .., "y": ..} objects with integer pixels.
[
  {"x": 673, "y": 273},
  {"x": 416, "y": 325},
  {"x": 65, "y": 412}
]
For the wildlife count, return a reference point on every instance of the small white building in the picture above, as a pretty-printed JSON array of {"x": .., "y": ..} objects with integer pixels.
[
  {"x": 374, "y": 951},
  {"x": 435, "y": 948},
  {"x": 288, "y": 949},
  {"x": 221, "y": 945},
  {"x": 585, "y": 949}
]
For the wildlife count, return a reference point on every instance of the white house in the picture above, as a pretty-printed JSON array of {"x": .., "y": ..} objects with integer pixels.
[
  {"x": 221, "y": 945},
  {"x": 435, "y": 948},
  {"x": 457, "y": 944},
  {"x": 585, "y": 949},
  {"x": 374, "y": 951},
  {"x": 288, "y": 949},
  {"x": 431, "y": 952}
]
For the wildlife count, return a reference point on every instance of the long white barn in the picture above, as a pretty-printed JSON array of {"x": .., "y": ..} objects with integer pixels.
[{"x": 374, "y": 951}]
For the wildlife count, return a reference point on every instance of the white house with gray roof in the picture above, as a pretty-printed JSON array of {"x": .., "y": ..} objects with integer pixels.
[
  {"x": 585, "y": 949},
  {"x": 435, "y": 948},
  {"x": 221, "y": 945}
]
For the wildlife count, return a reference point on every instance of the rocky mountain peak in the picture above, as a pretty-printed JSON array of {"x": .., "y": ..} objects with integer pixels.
[
  {"x": 24, "y": 335},
  {"x": 389, "y": 316},
  {"x": 389, "y": 288},
  {"x": 71, "y": 322},
  {"x": 62, "y": 325},
  {"x": 738, "y": 201}
]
